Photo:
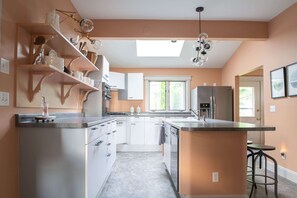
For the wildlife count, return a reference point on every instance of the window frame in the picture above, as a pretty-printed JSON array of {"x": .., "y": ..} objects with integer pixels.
[{"x": 167, "y": 79}]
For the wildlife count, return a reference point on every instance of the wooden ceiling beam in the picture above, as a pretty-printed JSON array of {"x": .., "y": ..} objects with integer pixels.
[{"x": 179, "y": 29}]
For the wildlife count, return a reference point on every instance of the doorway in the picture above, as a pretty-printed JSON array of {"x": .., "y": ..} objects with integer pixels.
[{"x": 251, "y": 103}]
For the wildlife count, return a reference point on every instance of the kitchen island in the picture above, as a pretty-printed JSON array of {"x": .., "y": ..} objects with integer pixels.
[{"x": 210, "y": 157}]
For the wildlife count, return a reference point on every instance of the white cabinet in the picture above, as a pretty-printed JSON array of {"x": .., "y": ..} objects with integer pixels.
[
  {"x": 137, "y": 130},
  {"x": 167, "y": 149},
  {"x": 96, "y": 166},
  {"x": 103, "y": 64},
  {"x": 116, "y": 80},
  {"x": 134, "y": 87},
  {"x": 121, "y": 130},
  {"x": 152, "y": 131},
  {"x": 77, "y": 161}
]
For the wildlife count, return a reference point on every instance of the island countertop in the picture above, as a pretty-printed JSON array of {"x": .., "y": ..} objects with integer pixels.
[
  {"x": 68, "y": 120},
  {"x": 216, "y": 125}
]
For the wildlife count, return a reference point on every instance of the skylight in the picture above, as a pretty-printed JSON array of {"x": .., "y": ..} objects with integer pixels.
[{"x": 159, "y": 48}]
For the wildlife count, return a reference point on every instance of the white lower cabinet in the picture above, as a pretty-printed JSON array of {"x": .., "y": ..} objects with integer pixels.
[
  {"x": 121, "y": 126},
  {"x": 152, "y": 131},
  {"x": 167, "y": 149},
  {"x": 137, "y": 130},
  {"x": 96, "y": 166},
  {"x": 66, "y": 162}
]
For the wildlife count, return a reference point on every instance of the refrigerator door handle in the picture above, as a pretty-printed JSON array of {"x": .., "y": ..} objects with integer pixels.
[
  {"x": 214, "y": 107},
  {"x": 211, "y": 107}
]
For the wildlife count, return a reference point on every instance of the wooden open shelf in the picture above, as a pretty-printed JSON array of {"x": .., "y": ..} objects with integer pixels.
[
  {"x": 60, "y": 44},
  {"x": 67, "y": 81}
]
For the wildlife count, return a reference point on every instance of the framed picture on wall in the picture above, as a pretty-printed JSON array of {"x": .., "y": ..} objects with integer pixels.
[
  {"x": 291, "y": 71},
  {"x": 278, "y": 83}
]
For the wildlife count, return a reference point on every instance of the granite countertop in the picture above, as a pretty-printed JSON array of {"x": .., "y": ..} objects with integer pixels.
[
  {"x": 151, "y": 114},
  {"x": 216, "y": 125},
  {"x": 68, "y": 120}
]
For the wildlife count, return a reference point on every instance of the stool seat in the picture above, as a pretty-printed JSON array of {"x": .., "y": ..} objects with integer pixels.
[
  {"x": 249, "y": 142},
  {"x": 261, "y": 147}
]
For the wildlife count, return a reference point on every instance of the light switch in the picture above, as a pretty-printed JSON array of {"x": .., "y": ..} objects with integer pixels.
[
  {"x": 4, "y": 66},
  {"x": 272, "y": 108},
  {"x": 4, "y": 98}
]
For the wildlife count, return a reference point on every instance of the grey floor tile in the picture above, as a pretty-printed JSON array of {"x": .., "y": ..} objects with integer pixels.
[{"x": 143, "y": 175}]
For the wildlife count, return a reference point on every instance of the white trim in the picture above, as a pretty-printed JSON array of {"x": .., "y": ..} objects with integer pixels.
[
  {"x": 166, "y": 78},
  {"x": 215, "y": 196},
  {"x": 284, "y": 172}
]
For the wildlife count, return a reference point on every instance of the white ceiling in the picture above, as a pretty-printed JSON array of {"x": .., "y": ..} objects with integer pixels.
[{"x": 122, "y": 53}]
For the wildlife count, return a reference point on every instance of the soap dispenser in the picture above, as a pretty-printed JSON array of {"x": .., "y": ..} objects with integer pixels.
[{"x": 44, "y": 107}]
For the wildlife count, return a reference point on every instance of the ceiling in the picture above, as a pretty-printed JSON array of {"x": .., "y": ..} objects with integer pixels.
[{"x": 122, "y": 53}]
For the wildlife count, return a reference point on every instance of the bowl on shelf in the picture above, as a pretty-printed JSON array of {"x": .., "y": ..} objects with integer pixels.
[{"x": 55, "y": 61}]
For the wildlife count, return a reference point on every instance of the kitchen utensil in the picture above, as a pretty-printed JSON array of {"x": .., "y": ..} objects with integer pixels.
[{"x": 92, "y": 56}]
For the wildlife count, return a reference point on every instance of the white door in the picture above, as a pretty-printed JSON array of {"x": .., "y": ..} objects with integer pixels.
[
  {"x": 121, "y": 131},
  {"x": 152, "y": 132},
  {"x": 251, "y": 105},
  {"x": 137, "y": 133}
]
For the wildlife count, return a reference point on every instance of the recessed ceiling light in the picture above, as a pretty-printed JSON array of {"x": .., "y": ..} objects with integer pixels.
[{"x": 159, "y": 48}]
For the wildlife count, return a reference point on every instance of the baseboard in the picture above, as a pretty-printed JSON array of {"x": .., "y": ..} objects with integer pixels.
[
  {"x": 284, "y": 172},
  {"x": 138, "y": 148},
  {"x": 215, "y": 196}
]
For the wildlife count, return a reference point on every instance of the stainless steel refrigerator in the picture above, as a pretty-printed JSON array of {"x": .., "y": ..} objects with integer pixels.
[{"x": 214, "y": 102}]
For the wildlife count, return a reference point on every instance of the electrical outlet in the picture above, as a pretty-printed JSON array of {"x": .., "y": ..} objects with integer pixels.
[
  {"x": 4, "y": 98},
  {"x": 215, "y": 176},
  {"x": 272, "y": 108},
  {"x": 4, "y": 66}
]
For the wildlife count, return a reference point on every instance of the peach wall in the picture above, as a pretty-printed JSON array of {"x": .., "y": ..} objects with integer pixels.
[
  {"x": 279, "y": 50},
  {"x": 19, "y": 11},
  {"x": 199, "y": 76}
]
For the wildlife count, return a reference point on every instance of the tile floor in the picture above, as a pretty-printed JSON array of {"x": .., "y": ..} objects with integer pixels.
[{"x": 143, "y": 175}]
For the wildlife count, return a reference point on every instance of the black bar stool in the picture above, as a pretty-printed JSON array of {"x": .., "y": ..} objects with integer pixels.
[{"x": 257, "y": 152}]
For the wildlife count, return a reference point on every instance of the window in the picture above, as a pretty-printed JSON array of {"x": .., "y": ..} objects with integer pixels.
[
  {"x": 167, "y": 95},
  {"x": 246, "y": 102}
]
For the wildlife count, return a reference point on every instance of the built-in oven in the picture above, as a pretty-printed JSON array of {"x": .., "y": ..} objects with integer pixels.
[
  {"x": 174, "y": 159},
  {"x": 106, "y": 97}
]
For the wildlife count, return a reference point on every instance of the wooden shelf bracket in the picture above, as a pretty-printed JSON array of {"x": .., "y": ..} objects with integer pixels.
[
  {"x": 33, "y": 90},
  {"x": 84, "y": 95},
  {"x": 65, "y": 94}
]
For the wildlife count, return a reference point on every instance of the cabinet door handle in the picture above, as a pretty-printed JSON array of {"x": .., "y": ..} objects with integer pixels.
[
  {"x": 108, "y": 144},
  {"x": 157, "y": 124},
  {"x": 98, "y": 143},
  {"x": 95, "y": 128},
  {"x": 120, "y": 123},
  {"x": 114, "y": 131},
  {"x": 108, "y": 133},
  {"x": 131, "y": 97},
  {"x": 132, "y": 123},
  {"x": 108, "y": 155},
  {"x": 102, "y": 125}
]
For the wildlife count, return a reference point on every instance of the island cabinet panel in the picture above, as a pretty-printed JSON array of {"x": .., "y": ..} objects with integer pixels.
[{"x": 204, "y": 152}]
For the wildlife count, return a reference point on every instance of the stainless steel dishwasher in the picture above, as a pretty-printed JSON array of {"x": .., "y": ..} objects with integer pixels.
[{"x": 174, "y": 139}]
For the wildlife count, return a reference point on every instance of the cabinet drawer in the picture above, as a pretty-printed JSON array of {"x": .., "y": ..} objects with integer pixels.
[{"x": 95, "y": 131}]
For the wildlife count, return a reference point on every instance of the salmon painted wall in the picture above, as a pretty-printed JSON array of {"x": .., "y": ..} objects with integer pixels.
[
  {"x": 19, "y": 11},
  {"x": 278, "y": 51},
  {"x": 199, "y": 76}
]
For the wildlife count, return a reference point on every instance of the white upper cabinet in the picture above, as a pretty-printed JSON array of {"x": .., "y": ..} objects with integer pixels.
[
  {"x": 103, "y": 65},
  {"x": 134, "y": 87},
  {"x": 116, "y": 80}
]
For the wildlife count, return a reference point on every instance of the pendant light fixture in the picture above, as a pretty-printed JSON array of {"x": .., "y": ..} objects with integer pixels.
[{"x": 202, "y": 46}]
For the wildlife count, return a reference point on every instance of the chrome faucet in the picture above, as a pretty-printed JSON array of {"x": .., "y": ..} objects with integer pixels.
[{"x": 196, "y": 114}]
